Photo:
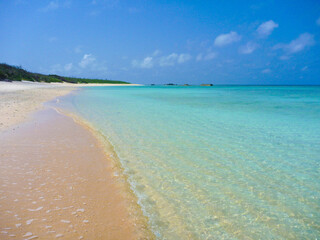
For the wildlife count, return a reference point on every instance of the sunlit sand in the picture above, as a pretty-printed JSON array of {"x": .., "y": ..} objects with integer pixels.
[{"x": 57, "y": 181}]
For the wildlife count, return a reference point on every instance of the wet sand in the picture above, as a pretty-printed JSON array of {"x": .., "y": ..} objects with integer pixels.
[
  {"x": 57, "y": 182},
  {"x": 57, "y": 178}
]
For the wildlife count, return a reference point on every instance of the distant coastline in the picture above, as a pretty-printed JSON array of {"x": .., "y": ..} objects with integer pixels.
[{"x": 17, "y": 73}]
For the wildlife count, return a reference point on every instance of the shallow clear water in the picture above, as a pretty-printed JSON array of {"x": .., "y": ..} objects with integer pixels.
[{"x": 216, "y": 162}]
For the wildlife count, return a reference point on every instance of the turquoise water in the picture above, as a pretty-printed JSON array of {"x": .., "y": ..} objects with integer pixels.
[{"x": 216, "y": 162}]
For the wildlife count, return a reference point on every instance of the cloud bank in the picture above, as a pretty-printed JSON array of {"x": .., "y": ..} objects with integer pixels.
[
  {"x": 297, "y": 45},
  {"x": 162, "y": 61},
  {"x": 145, "y": 63}
]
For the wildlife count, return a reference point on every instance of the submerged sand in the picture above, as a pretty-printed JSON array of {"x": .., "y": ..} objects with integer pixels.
[{"x": 58, "y": 181}]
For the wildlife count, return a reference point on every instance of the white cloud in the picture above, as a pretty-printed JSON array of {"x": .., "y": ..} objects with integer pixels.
[
  {"x": 169, "y": 60},
  {"x": 174, "y": 58},
  {"x": 87, "y": 60},
  {"x": 225, "y": 39},
  {"x": 184, "y": 57},
  {"x": 265, "y": 71},
  {"x": 248, "y": 48},
  {"x": 297, "y": 45},
  {"x": 318, "y": 21},
  {"x": 305, "y": 68},
  {"x": 156, "y": 52},
  {"x": 53, "y": 5},
  {"x": 206, "y": 57},
  {"x": 145, "y": 63},
  {"x": 266, "y": 28},
  {"x": 68, "y": 66}
]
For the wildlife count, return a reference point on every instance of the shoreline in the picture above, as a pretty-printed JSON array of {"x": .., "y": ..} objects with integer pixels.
[
  {"x": 117, "y": 168},
  {"x": 96, "y": 84},
  {"x": 124, "y": 214},
  {"x": 20, "y": 98}
]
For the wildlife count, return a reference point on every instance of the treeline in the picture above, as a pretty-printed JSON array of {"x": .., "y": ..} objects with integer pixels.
[{"x": 16, "y": 73}]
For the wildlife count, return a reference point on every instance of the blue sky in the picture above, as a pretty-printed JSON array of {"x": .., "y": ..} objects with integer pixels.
[{"x": 143, "y": 41}]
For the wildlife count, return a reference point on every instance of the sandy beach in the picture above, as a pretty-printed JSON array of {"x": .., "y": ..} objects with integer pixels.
[
  {"x": 56, "y": 178},
  {"x": 19, "y": 99}
]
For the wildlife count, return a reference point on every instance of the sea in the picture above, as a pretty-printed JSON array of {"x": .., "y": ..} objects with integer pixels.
[{"x": 221, "y": 162}]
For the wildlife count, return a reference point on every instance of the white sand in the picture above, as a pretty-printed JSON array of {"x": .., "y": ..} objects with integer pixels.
[
  {"x": 19, "y": 99},
  {"x": 23, "y": 85},
  {"x": 94, "y": 84}
]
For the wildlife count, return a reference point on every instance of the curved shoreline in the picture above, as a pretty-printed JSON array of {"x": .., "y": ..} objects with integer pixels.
[
  {"x": 117, "y": 168},
  {"x": 26, "y": 125}
]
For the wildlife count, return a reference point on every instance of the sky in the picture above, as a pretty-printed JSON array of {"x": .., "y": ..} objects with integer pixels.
[{"x": 144, "y": 41}]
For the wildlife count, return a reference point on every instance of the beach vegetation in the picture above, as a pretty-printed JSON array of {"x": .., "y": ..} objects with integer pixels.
[{"x": 17, "y": 73}]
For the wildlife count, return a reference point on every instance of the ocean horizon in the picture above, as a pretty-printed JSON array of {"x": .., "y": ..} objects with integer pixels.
[{"x": 221, "y": 162}]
